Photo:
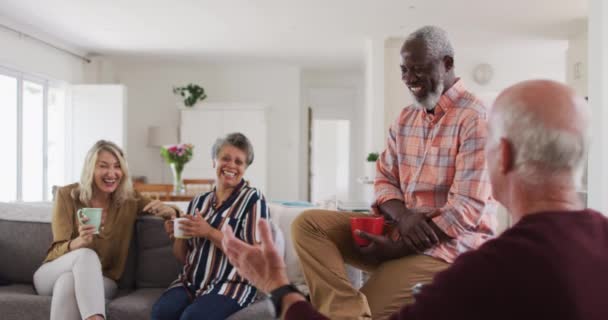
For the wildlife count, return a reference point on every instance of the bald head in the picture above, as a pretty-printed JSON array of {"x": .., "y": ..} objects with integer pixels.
[
  {"x": 553, "y": 104},
  {"x": 546, "y": 125}
]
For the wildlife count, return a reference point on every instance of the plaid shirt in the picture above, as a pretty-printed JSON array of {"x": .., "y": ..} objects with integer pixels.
[{"x": 437, "y": 161}]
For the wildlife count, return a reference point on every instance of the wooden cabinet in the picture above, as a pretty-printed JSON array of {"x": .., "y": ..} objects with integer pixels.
[{"x": 206, "y": 122}]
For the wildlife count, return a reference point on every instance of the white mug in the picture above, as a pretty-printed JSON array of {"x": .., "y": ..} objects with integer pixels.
[{"x": 177, "y": 232}]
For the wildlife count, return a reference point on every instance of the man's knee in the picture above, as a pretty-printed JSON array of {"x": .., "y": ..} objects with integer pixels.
[{"x": 303, "y": 224}]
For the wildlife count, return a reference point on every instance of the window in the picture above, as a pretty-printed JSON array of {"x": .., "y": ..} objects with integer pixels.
[
  {"x": 8, "y": 130},
  {"x": 32, "y": 124}
]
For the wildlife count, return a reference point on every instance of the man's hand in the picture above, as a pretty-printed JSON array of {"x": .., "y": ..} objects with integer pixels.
[
  {"x": 416, "y": 232},
  {"x": 260, "y": 263},
  {"x": 382, "y": 248}
]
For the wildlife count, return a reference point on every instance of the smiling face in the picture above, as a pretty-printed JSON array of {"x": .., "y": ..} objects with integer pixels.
[
  {"x": 230, "y": 166},
  {"x": 108, "y": 172},
  {"x": 423, "y": 75}
]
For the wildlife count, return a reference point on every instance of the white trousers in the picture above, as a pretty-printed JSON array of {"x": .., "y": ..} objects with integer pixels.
[{"x": 77, "y": 285}]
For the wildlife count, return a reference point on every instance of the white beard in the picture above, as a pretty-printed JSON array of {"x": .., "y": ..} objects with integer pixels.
[{"x": 431, "y": 99}]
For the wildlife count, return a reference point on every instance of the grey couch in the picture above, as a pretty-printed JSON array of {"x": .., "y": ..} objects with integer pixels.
[{"x": 149, "y": 270}]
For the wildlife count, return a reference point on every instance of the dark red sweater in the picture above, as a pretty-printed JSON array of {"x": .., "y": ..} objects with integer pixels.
[{"x": 550, "y": 265}]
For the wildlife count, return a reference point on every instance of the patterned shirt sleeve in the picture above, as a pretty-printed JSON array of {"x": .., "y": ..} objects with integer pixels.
[
  {"x": 256, "y": 210},
  {"x": 387, "y": 183},
  {"x": 470, "y": 190}
]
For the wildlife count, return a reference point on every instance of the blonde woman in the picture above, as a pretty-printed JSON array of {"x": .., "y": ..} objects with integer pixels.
[{"x": 81, "y": 268}]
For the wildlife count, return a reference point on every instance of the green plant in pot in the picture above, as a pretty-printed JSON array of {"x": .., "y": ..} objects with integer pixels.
[
  {"x": 372, "y": 157},
  {"x": 191, "y": 94}
]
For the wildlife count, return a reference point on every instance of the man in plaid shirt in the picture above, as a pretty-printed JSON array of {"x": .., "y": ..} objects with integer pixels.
[{"x": 431, "y": 185}]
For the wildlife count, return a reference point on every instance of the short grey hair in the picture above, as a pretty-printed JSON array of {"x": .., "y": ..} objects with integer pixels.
[
  {"x": 537, "y": 146},
  {"x": 436, "y": 40},
  {"x": 237, "y": 140}
]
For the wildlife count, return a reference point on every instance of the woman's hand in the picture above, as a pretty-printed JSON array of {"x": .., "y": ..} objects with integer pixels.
[
  {"x": 158, "y": 208},
  {"x": 196, "y": 226},
  {"x": 85, "y": 235}
]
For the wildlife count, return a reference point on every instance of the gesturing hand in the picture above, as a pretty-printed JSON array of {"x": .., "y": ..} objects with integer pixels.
[
  {"x": 260, "y": 263},
  {"x": 196, "y": 226}
]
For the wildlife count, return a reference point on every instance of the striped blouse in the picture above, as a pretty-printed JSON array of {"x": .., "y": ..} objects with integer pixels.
[{"x": 207, "y": 269}]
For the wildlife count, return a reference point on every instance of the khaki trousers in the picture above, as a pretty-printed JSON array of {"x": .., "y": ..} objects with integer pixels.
[{"x": 324, "y": 243}]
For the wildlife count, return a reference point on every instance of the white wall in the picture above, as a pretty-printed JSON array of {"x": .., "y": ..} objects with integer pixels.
[
  {"x": 27, "y": 55},
  {"x": 598, "y": 100},
  {"x": 330, "y": 160},
  {"x": 512, "y": 62},
  {"x": 375, "y": 94},
  {"x": 576, "y": 67},
  {"x": 151, "y": 102},
  {"x": 98, "y": 112},
  {"x": 336, "y": 84}
]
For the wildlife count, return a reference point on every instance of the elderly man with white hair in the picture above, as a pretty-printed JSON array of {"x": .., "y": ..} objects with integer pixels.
[
  {"x": 431, "y": 187},
  {"x": 549, "y": 265}
]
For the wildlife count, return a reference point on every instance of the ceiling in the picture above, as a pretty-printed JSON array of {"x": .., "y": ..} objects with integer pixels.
[{"x": 307, "y": 32}]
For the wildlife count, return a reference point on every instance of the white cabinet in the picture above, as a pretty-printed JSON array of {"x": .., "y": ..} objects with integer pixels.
[
  {"x": 206, "y": 122},
  {"x": 97, "y": 112}
]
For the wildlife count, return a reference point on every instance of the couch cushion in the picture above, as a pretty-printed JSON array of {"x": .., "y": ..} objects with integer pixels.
[
  {"x": 20, "y": 301},
  {"x": 135, "y": 305},
  {"x": 283, "y": 216},
  {"x": 26, "y": 211},
  {"x": 24, "y": 245},
  {"x": 156, "y": 265},
  {"x": 18, "y": 289},
  {"x": 127, "y": 279},
  {"x": 260, "y": 310},
  {"x": 138, "y": 305}
]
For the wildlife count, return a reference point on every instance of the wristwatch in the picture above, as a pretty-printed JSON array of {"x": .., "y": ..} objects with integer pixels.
[{"x": 276, "y": 296}]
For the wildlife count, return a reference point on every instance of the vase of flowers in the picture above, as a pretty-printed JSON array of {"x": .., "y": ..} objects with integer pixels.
[
  {"x": 177, "y": 155},
  {"x": 190, "y": 94}
]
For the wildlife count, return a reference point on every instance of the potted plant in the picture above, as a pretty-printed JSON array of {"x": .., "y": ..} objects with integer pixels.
[
  {"x": 191, "y": 94},
  {"x": 372, "y": 157}
]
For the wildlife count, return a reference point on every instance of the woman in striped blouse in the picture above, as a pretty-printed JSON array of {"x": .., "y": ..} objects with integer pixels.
[{"x": 208, "y": 286}]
